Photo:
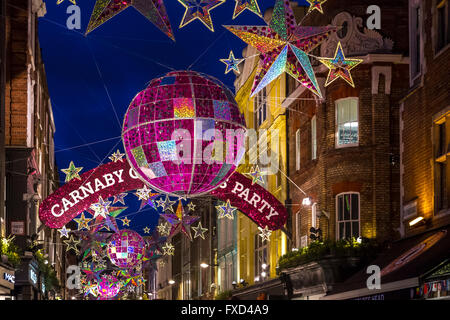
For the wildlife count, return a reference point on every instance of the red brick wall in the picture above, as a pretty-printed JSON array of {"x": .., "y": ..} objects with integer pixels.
[{"x": 16, "y": 73}]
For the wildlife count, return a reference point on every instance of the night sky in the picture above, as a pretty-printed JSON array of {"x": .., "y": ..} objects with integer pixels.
[{"x": 93, "y": 79}]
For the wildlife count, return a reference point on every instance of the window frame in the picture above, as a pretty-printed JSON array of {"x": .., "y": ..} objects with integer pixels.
[
  {"x": 260, "y": 249},
  {"x": 438, "y": 51},
  {"x": 412, "y": 8},
  {"x": 314, "y": 137},
  {"x": 336, "y": 140},
  {"x": 314, "y": 215},
  {"x": 337, "y": 212},
  {"x": 440, "y": 159}
]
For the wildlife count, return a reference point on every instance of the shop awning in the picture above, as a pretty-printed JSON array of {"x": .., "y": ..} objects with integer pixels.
[{"x": 403, "y": 265}]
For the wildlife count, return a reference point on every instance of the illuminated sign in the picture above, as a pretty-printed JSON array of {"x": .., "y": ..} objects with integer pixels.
[
  {"x": 9, "y": 277},
  {"x": 33, "y": 276}
]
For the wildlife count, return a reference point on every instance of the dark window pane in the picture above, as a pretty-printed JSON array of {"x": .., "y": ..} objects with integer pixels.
[
  {"x": 341, "y": 230},
  {"x": 340, "y": 208},
  {"x": 348, "y": 230},
  {"x": 355, "y": 229},
  {"x": 441, "y": 28},
  {"x": 347, "y": 207},
  {"x": 355, "y": 206}
]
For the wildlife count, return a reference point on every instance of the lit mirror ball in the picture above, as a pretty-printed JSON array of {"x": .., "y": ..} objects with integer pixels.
[
  {"x": 125, "y": 248},
  {"x": 184, "y": 134}
]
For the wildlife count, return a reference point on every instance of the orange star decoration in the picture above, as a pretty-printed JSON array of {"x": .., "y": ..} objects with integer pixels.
[
  {"x": 316, "y": 5},
  {"x": 340, "y": 67},
  {"x": 72, "y": 172}
]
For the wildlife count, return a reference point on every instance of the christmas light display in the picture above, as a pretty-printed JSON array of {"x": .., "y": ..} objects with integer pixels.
[
  {"x": 172, "y": 124},
  {"x": 242, "y": 5},
  {"x": 199, "y": 9},
  {"x": 125, "y": 248},
  {"x": 283, "y": 46},
  {"x": 153, "y": 10},
  {"x": 232, "y": 63}
]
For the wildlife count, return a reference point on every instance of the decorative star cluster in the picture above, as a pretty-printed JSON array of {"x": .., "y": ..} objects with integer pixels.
[
  {"x": 100, "y": 208},
  {"x": 82, "y": 222},
  {"x": 199, "y": 9},
  {"x": 180, "y": 221},
  {"x": 232, "y": 63},
  {"x": 242, "y": 5},
  {"x": 153, "y": 10},
  {"x": 168, "y": 249},
  {"x": 283, "y": 47},
  {"x": 166, "y": 204},
  {"x": 117, "y": 156},
  {"x": 199, "y": 231},
  {"x": 256, "y": 175},
  {"x": 340, "y": 67}
]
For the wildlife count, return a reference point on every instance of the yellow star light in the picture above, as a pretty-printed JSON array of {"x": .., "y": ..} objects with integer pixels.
[
  {"x": 226, "y": 210},
  {"x": 242, "y": 5},
  {"x": 125, "y": 221},
  {"x": 255, "y": 175},
  {"x": 316, "y": 5},
  {"x": 191, "y": 206},
  {"x": 117, "y": 156},
  {"x": 199, "y": 231},
  {"x": 61, "y": 1},
  {"x": 340, "y": 67},
  {"x": 168, "y": 249},
  {"x": 82, "y": 222},
  {"x": 72, "y": 244},
  {"x": 199, "y": 9},
  {"x": 164, "y": 229},
  {"x": 146, "y": 230},
  {"x": 72, "y": 172}
]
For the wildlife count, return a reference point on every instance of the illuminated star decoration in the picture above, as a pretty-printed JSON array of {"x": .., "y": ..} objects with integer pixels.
[
  {"x": 232, "y": 63},
  {"x": 316, "y": 5},
  {"x": 283, "y": 47},
  {"x": 64, "y": 232},
  {"x": 180, "y": 221},
  {"x": 82, "y": 222},
  {"x": 109, "y": 219},
  {"x": 117, "y": 156},
  {"x": 146, "y": 230},
  {"x": 100, "y": 208},
  {"x": 72, "y": 244},
  {"x": 199, "y": 231},
  {"x": 255, "y": 175},
  {"x": 265, "y": 233},
  {"x": 191, "y": 206},
  {"x": 153, "y": 10},
  {"x": 226, "y": 210},
  {"x": 340, "y": 66},
  {"x": 125, "y": 222},
  {"x": 251, "y": 5},
  {"x": 166, "y": 204},
  {"x": 61, "y": 1},
  {"x": 168, "y": 249},
  {"x": 72, "y": 172},
  {"x": 146, "y": 196},
  {"x": 164, "y": 229},
  {"x": 199, "y": 9},
  {"x": 120, "y": 198}
]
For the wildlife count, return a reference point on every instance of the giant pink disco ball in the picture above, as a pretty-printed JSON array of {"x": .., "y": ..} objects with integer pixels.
[
  {"x": 184, "y": 133},
  {"x": 126, "y": 248},
  {"x": 108, "y": 287}
]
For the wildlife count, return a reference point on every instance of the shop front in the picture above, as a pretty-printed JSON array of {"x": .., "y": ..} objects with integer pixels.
[
  {"x": 7, "y": 282},
  {"x": 414, "y": 268},
  {"x": 27, "y": 280}
]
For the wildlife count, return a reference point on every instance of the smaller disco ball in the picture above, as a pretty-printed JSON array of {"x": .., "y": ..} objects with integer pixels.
[
  {"x": 126, "y": 248},
  {"x": 108, "y": 288}
]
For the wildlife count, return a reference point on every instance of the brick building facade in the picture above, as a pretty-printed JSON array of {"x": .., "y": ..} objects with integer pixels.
[
  {"x": 344, "y": 149},
  {"x": 425, "y": 111},
  {"x": 30, "y": 172}
]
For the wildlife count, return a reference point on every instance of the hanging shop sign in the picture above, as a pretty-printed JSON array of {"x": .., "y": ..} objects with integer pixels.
[
  {"x": 33, "y": 274},
  {"x": 114, "y": 178}
]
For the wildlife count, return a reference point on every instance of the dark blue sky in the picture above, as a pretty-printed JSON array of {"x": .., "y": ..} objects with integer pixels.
[{"x": 93, "y": 79}]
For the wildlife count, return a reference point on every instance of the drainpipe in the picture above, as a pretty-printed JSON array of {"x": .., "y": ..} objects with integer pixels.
[{"x": 2, "y": 116}]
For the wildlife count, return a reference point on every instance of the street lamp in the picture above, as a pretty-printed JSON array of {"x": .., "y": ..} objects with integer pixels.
[
  {"x": 204, "y": 265},
  {"x": 171, "y": 281},
  {"x": 306, "y": 201}
]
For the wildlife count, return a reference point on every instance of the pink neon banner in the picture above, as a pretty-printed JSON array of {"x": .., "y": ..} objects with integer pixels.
[{"x": 114, "y": 178}]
